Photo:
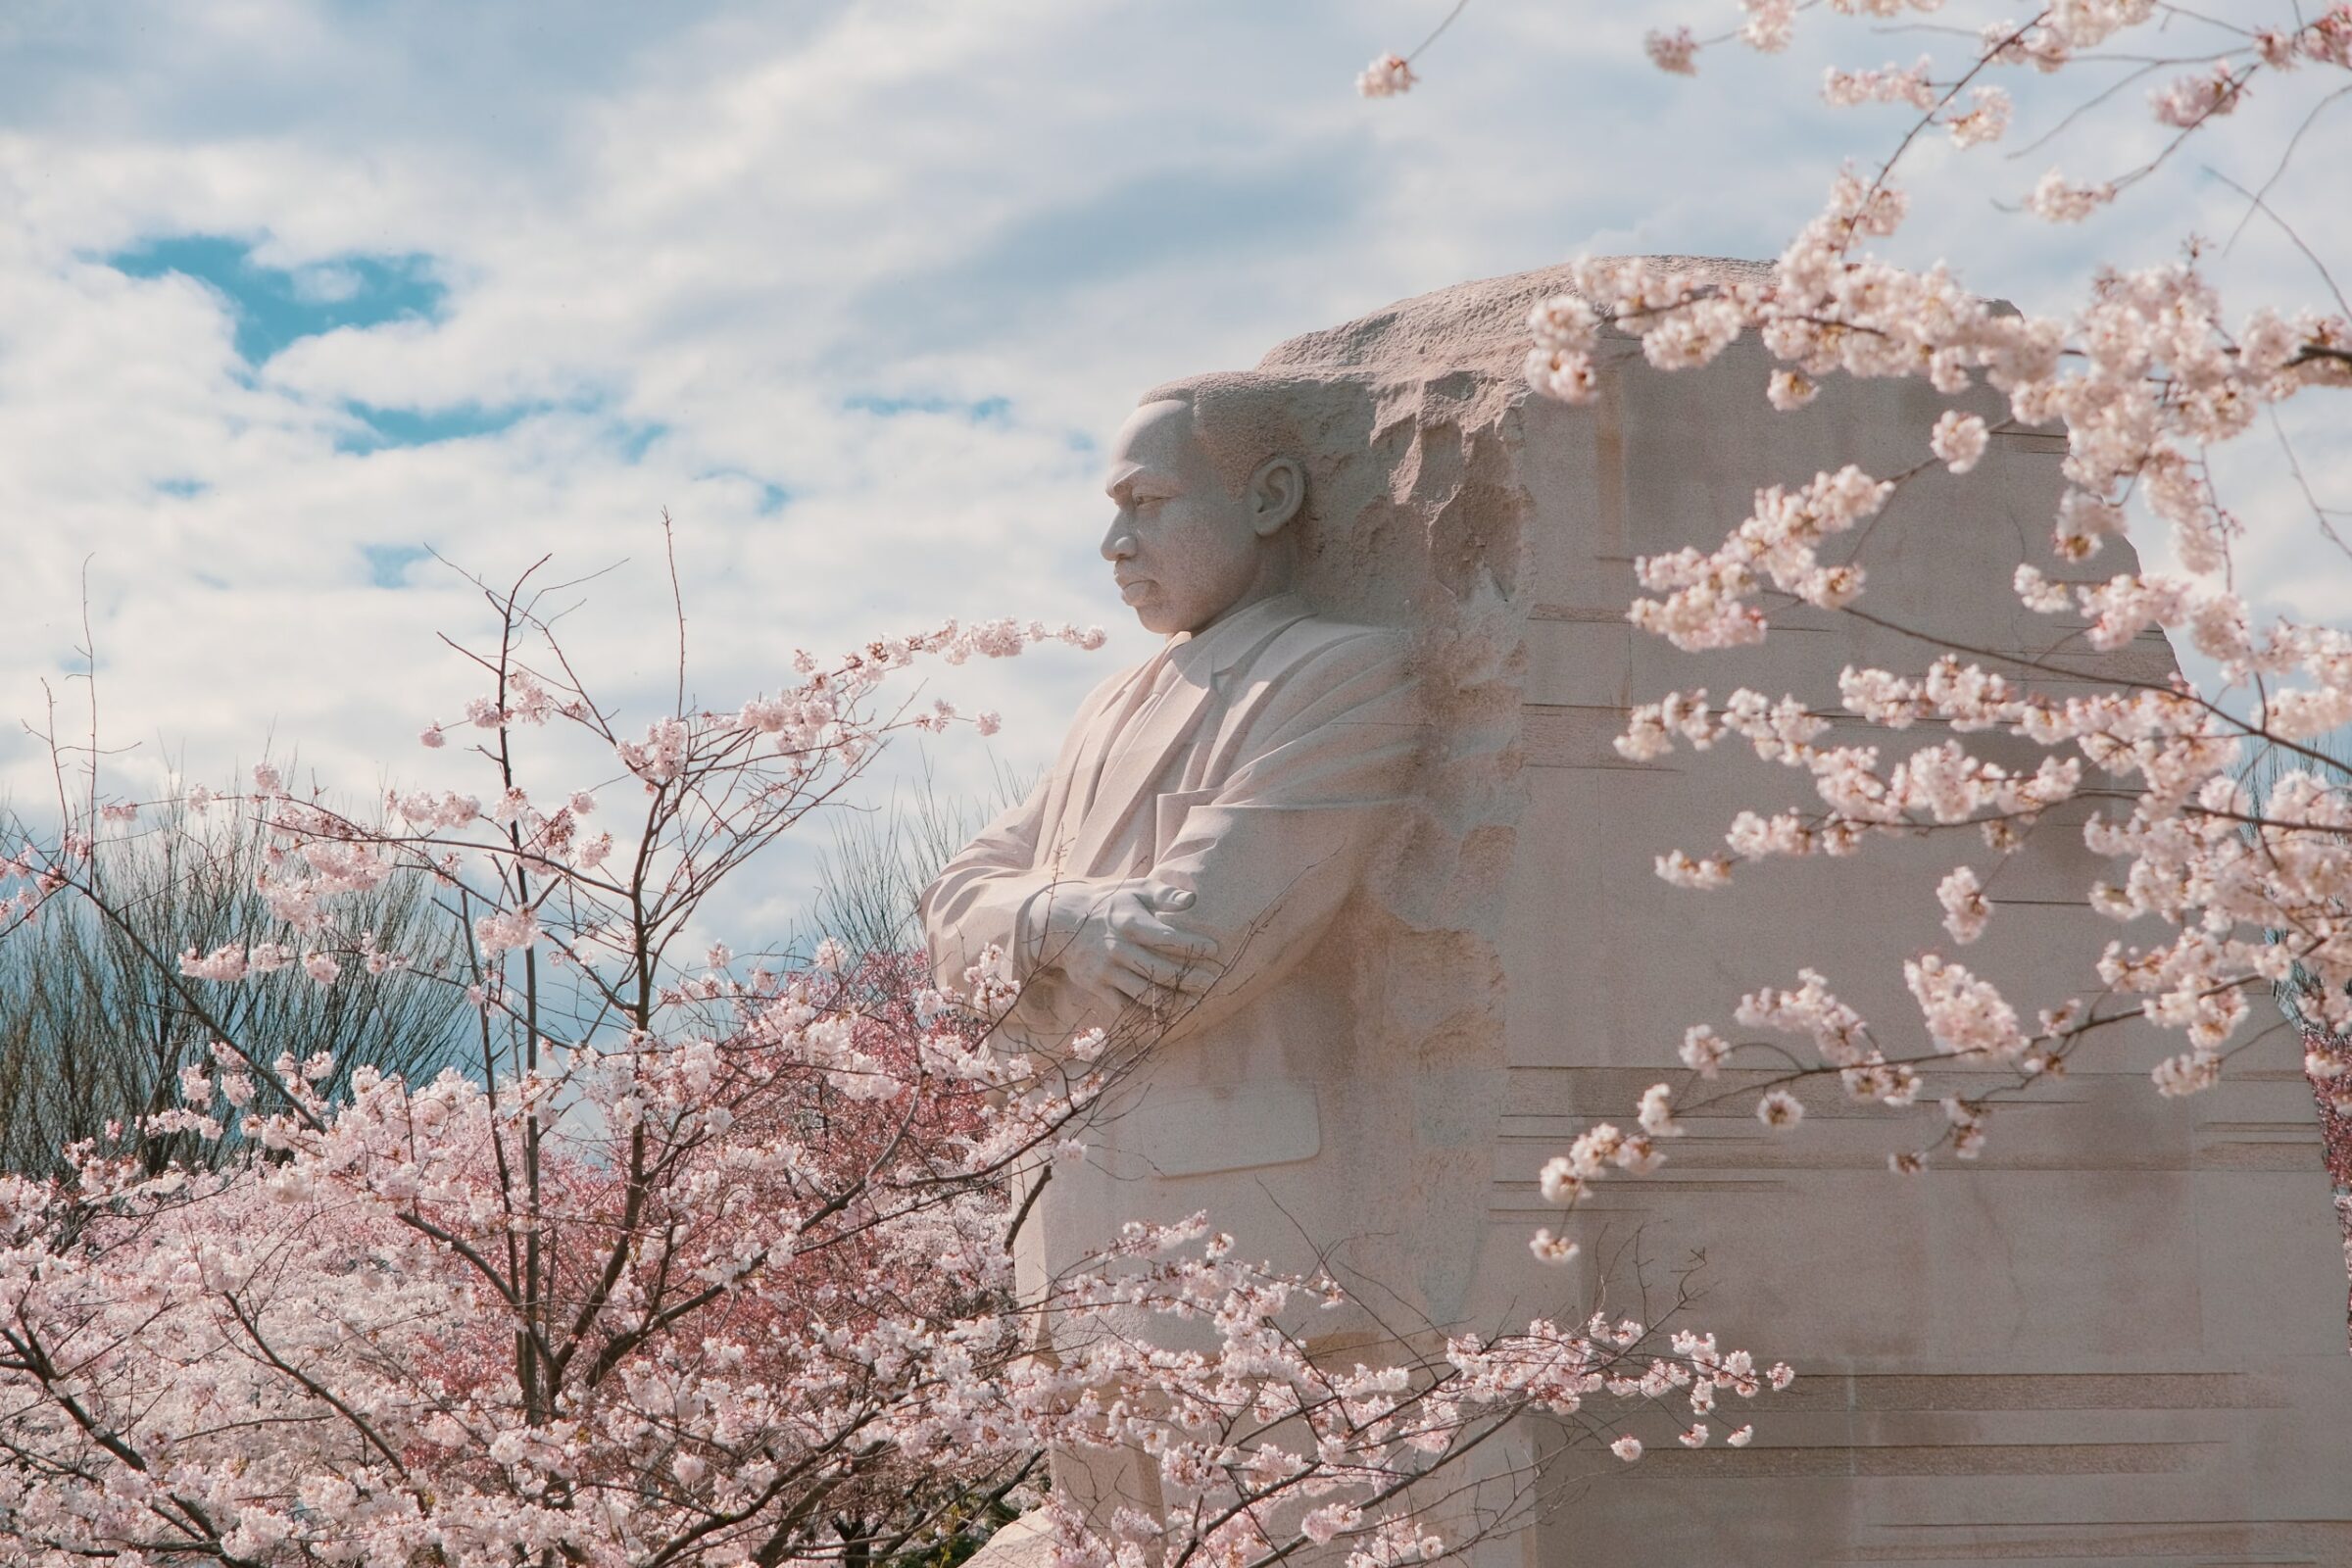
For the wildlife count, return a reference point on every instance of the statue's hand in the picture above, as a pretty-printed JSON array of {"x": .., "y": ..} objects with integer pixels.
[{"x": 1113, "y": 939}]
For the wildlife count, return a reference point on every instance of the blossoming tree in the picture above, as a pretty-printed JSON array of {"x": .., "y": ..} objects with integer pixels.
[
  {"x": 2157, "y": 386},
  {"x": 708, "y": 1259}
]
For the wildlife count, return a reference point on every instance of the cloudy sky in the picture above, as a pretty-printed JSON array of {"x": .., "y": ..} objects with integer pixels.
[{"x": 293, "y": 293}]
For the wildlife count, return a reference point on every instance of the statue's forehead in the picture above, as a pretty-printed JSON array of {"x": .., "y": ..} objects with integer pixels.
[{"x": 1158, "y": 438}]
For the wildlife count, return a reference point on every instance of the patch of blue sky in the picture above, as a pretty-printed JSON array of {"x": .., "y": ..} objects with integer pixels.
[
  {"x": 272, "y": 307},
  {"x": 635, "y": 439},
  {"x": 986, "y": 410},
  {"x": 417, "y": 427},
  {"x": 181, "y": 488},
  {"x": 772, "y": 496},
  {"x": 388, "y": 564},
  {"x": 381, "y": 429}
]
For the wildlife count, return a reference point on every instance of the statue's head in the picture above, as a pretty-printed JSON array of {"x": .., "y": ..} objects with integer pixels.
[{"x": 1207, "y": 480}]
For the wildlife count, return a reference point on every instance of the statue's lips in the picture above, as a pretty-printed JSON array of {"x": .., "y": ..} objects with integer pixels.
[{"x": 1132, "y": 589}]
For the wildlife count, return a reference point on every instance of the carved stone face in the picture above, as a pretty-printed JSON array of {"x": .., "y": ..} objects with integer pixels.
[{"x": 1184, "y": 549}]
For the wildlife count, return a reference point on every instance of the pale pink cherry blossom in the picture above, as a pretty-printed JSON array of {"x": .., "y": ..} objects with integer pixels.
[
  {"x": 2328, "y": 40},
  {"x": 223, "y": 964},
  {"x": 1674, "y": 50},
  {"x": 1638, "y": 1154},
  {"x": 1964, "y": 1015},
  {"x": 2276, "y": 47},
  {"x": 1550, "y": 1249},
  {"x": 1965, "y": 909},
  {"x": 1967, "y": 1122},
  {"x": 2189, "y": 1073},
  {"x": 1889, "y": 85},
  {"x": 1788, "y": 391},
  {"x": 2045, "y": 48},
  {"x": 2159, "y": 379},
  {"x": 1684, "y": 871},
  {"x": 1780, "y": 1109},
  {"x": 1769, "y": 26},
  {"x": 1561, "y": 1182},
  {"x": 1703, "y": 1051},
  {"x": 748, "y": 1246},
  {"x": 1811, "y": 1008},
  {"x": 1707, "y": 595},
  {"x": 1564, "y": 321},
  {"x": 2059, "y": 202},
  {"x": 2038, "y": 593},
  {"x": 1958, "y": 439},
  {"x": 1562, "y": 373},
  {"x": 506, "y": 930},
  {"x": 1386, "y": 77},
  {"x": 1651, "y": 727},
  {"x": 1985, "y": 120},
  {"x": 2189, "y": 101}
]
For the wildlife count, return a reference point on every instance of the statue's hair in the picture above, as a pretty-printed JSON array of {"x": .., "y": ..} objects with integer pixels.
[{"x": 1240, "y": 417}]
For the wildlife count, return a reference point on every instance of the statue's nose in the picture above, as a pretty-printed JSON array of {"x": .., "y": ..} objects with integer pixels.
[{"x": 1119, "y": 542}]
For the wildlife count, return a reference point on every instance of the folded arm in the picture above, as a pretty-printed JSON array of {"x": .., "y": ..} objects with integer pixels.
[
  {"x": 977, "y": 900},
  {"x": 1247, "y": 885},
  {"x": 1273, "y": 856}
]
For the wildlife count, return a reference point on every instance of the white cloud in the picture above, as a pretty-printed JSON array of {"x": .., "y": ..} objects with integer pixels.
[{"x": 716, "y": 228}]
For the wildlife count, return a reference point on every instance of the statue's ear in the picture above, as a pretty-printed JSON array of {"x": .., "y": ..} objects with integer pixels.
[{"x": 1277, "y": 490}]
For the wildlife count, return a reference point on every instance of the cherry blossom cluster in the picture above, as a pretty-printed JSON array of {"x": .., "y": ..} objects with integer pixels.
[
  {"x": 1709, "y": 599},
  {"x": 709, "y": 1260},
  {"x": 775, "y": 1270},
  {"x": 1888, "y": 84},
  {"x": 2235, "y": 891},
  {"x": 1385, "y": 78},
  {"x": 813, "y": 719},
  {"x": 1260, "y": 1447}
]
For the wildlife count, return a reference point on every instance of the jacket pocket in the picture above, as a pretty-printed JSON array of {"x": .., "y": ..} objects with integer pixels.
[{"x": 1168, "y": 816}]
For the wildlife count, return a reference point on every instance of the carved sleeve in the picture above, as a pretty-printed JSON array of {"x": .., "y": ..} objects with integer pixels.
[{"x": 979, "y": 896}]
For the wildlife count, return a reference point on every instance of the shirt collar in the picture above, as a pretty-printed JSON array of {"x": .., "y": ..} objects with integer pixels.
[{"x": 1224, "y": 641}]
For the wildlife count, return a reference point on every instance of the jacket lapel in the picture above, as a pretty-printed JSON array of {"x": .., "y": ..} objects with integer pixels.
[
  {"x": 1059, "y": 826},
  {"x": 1140, "y": 754}
]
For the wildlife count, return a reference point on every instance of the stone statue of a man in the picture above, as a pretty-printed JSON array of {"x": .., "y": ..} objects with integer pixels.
[{"x": 1184, "y": 868}]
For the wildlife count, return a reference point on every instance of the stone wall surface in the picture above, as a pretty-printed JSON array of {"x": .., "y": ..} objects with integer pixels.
[{"x": 2117, "y": 1338}]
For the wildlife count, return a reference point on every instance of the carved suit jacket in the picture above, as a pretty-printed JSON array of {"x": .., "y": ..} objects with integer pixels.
[{"x": 1258, "y": 764}]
